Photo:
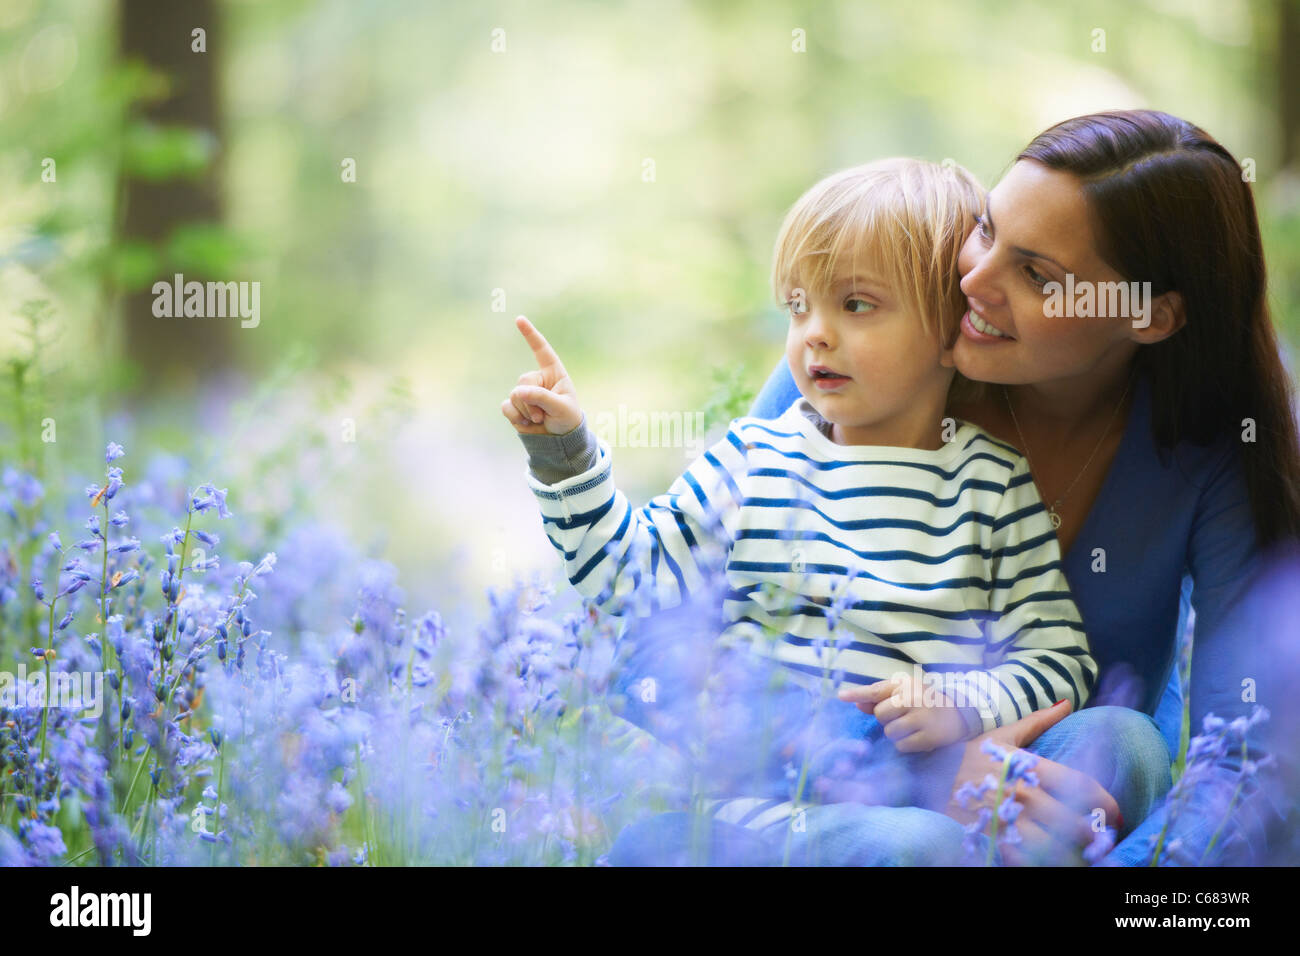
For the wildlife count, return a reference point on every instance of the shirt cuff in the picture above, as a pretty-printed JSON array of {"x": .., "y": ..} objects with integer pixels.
[{"x": 553, "y": 458}]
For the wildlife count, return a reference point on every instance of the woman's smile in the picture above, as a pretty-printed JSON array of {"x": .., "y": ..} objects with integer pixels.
[{"x": 977, "y": 329}]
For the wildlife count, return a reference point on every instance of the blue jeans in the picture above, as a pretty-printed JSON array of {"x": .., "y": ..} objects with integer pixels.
[{"x": 1121, "y": 749}]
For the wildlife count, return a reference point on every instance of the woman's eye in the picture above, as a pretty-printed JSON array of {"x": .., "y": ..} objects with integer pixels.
[
  {"x": 981, "y": 224},
  {"x": 869, "y": 306},
  {"x": 1037, "y": 278}
]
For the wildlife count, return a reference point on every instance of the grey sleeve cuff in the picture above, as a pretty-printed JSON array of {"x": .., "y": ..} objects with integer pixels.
[{"x": 552, "y": 458}]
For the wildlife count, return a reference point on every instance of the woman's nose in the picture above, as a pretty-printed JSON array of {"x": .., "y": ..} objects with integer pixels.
[{"x": 981, "y": 282}]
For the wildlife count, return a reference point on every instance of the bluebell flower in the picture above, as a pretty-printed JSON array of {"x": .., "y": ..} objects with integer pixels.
[
  {"x": 967, "y": 795},
  {"x": 113, "y": 453},
  {"x": 1009, "y": 810},
  {"x": 126, "y": 578},
  {"x": 26, "y": 488},
  {"x": 1103, "y": 842},
  {"x": 211, "y": 498}
]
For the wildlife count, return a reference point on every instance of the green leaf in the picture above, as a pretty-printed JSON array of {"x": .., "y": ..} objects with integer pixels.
[
  {"x": 205, "y": 248},
  {"x": 159, "y": 153},
  {"x": 133, "y": 264}
]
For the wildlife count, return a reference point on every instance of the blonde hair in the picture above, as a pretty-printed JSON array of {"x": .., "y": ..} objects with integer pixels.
[{"x": 912, "y": 215}]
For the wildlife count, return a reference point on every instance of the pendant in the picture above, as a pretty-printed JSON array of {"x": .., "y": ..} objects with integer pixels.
[{"x": 1053, "y": 517}]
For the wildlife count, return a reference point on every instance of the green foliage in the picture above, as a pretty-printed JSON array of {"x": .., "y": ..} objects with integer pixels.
[
  {"x": 166, "y": 152},
  {"x": 731, "y": 397},
  {"x": 133, "y": 264},
  {"x": 207, "y": 249}
]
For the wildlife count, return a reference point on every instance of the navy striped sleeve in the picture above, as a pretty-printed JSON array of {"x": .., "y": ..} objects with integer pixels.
[{"x": 652, "y": 557}]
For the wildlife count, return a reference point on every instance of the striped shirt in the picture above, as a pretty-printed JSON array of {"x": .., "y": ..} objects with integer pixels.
[{"x": 852, "y": 562}]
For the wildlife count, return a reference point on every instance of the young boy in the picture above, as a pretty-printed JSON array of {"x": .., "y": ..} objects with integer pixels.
[{"x": 883, "y": 543}]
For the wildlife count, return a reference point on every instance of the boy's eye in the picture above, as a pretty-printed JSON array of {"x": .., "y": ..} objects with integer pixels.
[
  {"x": 868, "y": 306},
  {"x": 796, "y": 306}
]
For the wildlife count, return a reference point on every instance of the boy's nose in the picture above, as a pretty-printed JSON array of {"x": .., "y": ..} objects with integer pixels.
[{"x": 817, "y": 334}]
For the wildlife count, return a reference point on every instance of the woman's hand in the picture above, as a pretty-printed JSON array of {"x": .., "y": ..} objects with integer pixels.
[
  {"x": 1055, "y": 823},
  {"x": 545, "y": 401}
]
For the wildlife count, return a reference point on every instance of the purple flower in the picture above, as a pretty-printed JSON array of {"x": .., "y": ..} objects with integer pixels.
[
  {"x": 338, "y": 799},
  {"x": 113, "y": 453},
  {"x": 212, "y": 498},
  {"x": 1102, "y": 843},
  {"x": 966, "y": 795},
  {"x": 1009, "y": 810}
]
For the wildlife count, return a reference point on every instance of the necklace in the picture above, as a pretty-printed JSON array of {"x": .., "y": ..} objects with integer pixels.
[{"x": 1051, "y": 511}]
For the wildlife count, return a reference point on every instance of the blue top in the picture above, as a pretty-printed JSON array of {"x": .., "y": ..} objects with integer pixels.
[{"x": 1177, "y": 535}]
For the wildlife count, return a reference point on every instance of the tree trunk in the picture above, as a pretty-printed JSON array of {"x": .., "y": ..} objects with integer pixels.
[{"x": 173, "y": 351}]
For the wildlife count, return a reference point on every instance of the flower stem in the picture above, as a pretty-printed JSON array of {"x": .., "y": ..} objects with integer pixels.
[
  {"x": 1227, "y": 814},
  {"x": 49, "y": 645},
  {"x": 997, "y": 802},
  {"x": 221, "y": 774}
]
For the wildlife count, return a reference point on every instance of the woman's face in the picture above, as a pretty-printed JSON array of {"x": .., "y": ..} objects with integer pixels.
[{"x": 1035, "y": 229}]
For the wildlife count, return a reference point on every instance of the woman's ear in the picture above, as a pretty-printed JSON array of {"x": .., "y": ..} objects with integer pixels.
[{"x": 1166, "y": 316}]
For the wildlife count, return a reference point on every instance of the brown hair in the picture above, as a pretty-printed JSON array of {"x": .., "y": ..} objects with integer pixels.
[{"x": 1170, "y": 206}]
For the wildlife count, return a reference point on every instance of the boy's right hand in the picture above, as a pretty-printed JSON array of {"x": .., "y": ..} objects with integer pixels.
[{"x": 545, "y": 401}]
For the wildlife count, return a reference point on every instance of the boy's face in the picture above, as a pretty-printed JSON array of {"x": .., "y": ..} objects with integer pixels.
[{"x": 893, "y": 376}]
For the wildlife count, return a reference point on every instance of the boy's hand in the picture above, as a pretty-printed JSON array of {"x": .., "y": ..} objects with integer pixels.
[
  {"x": 913, "y": 728},
  {"x": 544, "y": 402}
]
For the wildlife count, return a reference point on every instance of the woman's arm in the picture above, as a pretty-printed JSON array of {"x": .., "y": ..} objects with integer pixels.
[
  {"x": 778, "y": 394},
  {"x": 1235, "y": 667}
]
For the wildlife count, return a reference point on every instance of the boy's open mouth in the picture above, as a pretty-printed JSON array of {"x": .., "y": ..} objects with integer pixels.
[{"x": 826, "y": 378}]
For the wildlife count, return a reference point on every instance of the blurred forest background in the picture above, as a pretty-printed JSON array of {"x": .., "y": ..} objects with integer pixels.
[{"x": 403, "y": 177}]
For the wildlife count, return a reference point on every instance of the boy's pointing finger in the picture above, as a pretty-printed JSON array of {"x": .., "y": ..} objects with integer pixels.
[{"x": 542, "y": 351}]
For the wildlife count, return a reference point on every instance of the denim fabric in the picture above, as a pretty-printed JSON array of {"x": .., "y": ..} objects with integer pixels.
[
  {"x": 1120, "y": 748},
  {"x": 838, "y": 834}
]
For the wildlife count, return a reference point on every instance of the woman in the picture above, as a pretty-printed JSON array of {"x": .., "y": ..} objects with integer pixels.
[{"x": 1161, "y": 438}]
